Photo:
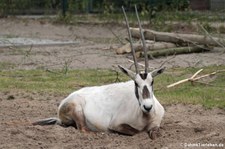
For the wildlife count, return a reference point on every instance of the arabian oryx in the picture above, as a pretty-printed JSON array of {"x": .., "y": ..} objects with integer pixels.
[{"x": 125, "y": 108}]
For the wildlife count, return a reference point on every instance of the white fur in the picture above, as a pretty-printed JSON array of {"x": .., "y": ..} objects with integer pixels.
[{"x": 106, "y": 107}]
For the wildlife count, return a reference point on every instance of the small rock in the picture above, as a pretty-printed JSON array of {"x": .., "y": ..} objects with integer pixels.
[
  {"x": 198, "y": 129},
  {"x": 10, "y": 97}
]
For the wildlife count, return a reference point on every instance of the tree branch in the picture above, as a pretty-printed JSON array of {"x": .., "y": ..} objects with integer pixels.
[{"x": 193, "y": 78}]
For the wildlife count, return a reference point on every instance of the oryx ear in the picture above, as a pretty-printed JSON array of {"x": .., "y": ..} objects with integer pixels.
[
  {"x": 128, "y": 72},
  {"x": 158, "y": 71}
]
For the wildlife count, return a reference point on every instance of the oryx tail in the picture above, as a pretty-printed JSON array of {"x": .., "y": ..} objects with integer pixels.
[{"x": 48, "y": 121}]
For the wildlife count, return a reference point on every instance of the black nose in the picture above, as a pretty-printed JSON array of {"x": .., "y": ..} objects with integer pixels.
[{"x": 147, "y": 108}]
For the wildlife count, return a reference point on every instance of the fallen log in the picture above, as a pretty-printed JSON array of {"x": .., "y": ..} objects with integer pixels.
[
  {"x": 178, "y": 38},
  {"x": 150, "y": 45},
  {"x": 172, "y": 51}
]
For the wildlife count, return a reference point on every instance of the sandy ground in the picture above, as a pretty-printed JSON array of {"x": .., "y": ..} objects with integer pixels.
[{"x": 183, "y": 124}]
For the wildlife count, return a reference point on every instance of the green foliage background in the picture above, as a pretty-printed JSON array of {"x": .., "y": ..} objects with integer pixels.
[{"x": 86, "y": 6}]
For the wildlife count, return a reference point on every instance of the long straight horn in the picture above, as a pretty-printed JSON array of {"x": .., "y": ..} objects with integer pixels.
[
  {"x": 143, "y": 41},
  {"x": 131, "y": 42}
]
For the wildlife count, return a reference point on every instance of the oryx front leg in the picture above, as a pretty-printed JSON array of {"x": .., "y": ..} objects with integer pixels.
[
  {"x": 154, "y": 128},
  {"x": 124, "y": 129}
]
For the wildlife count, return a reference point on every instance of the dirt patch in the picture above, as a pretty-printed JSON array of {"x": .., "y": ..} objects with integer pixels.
[
  {"x": 95, "y": 49},
  {"x": 182, "y": 124}
]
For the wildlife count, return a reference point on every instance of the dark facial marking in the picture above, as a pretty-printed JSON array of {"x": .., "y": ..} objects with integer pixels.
[
  {"x": 145, "y": 93},
  {"x": 136, "y": 90},
  {"x": 152, "y": 82},
  {"x": 143, "y": 75}
]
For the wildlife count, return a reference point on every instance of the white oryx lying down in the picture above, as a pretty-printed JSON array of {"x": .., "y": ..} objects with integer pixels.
[{"x": 126, "y": 108}]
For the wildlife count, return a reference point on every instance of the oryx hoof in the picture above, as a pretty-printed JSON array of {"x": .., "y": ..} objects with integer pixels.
[{"x": 154, "y": 133}]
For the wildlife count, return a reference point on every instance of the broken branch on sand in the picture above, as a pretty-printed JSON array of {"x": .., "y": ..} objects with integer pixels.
[{"x": 193, "y": 78}]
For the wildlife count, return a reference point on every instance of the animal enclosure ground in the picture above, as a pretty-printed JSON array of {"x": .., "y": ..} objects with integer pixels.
[
  {"x": 182, "y": 124},
  {"x": 96, "y": 48}
]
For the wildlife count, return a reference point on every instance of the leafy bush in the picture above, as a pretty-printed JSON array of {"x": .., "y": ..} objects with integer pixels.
[
  {"x": 27, "y": 6},
  {"x": 86, "y": 6}
]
